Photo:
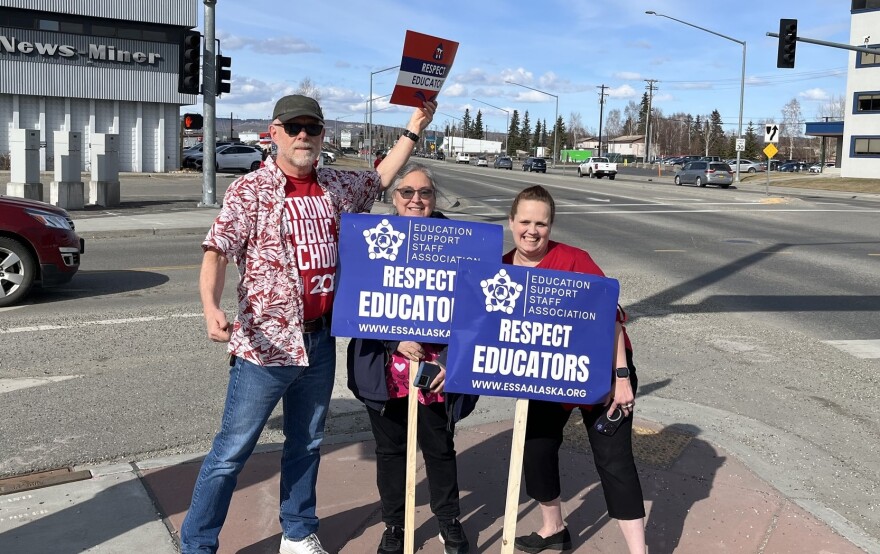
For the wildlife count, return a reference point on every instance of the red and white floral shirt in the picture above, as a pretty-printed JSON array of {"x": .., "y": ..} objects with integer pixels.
[{"x": 268, "y": 327}]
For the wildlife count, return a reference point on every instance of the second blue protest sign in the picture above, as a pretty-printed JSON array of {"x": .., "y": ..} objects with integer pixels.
[
  {"x": 397, "y": 275},
  {"x": 532, "y": 333}
]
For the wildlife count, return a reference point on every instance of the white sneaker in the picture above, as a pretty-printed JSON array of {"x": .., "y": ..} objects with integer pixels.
[{"x": 308, "y": 545}]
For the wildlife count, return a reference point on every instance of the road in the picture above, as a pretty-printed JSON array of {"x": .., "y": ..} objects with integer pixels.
[{"x": 755, "y": 319}]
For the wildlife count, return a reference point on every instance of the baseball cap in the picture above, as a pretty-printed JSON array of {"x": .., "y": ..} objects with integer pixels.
[{"x": 296, "y": 105}]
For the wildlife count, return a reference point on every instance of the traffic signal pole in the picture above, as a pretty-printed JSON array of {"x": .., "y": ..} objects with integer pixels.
[
  {"x": 865, "y": 49},
  {"x": 209, "y": 97}
]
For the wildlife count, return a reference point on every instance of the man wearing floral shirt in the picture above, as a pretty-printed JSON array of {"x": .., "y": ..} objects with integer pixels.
[{"x": 280, "y": 226}]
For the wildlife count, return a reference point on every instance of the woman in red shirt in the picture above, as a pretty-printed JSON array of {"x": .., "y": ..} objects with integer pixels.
[{"x": 531, "y": 219}]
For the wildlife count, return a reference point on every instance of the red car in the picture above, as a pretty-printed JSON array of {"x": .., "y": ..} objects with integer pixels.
[{"x": 38, "y": 244}]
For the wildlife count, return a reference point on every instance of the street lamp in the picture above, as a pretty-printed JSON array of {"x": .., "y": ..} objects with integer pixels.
[
  {"x": 370, "y": 129},
  {"x": 460, "y": 128},
  {"x": 555, "y": 120},
  {"x": 507, "y": 133},
  {"x": 742, "y": 81}
]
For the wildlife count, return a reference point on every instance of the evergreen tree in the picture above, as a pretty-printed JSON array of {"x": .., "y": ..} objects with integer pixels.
[
  {"x": 558, "y": 131},
  {"x": 716, "y": 134},
  {"x": 699, "y": 143},
  {"x": 477, "y": 130},
  {"x": 513, "y": 133},
  {"x": 643, "y": 115},
  {"x": 543, "y": 134},
  {"x": 525, "y": 131},
  {"x": 753, "y": 147},
  {"x": 536, "y": 137},
  {"x": 466, "y": 123}
]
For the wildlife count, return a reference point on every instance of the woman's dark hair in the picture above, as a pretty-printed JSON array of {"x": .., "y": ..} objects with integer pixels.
[{"x": 538, "y": 193}]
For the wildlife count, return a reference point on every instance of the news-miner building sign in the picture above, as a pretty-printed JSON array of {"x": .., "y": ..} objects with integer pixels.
[{"x": 96, "y": 52}]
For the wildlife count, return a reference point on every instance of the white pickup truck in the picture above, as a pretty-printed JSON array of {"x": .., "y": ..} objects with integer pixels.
[{"x": 598, "y": 168}]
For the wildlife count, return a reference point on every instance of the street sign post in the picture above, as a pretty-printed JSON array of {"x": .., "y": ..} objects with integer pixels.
[
  {"x": 770, "y": 150},
  {"x": 771, "y": 133}
]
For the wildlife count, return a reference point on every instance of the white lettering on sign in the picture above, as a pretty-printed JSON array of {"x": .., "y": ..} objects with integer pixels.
[
  {"x": 491, "y": 360},
  {"x": 101, "y": 52},
  {"x": 411, "y": 307},
  {"x": 418, "y": 278},
  {"x": 432, "y": 69}
]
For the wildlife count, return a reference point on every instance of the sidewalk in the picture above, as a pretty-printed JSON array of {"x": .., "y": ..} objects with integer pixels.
[{"x": 699, "y": 499}]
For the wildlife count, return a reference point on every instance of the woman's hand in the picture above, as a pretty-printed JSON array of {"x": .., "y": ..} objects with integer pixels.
[
  {"x": 440, "y": 381},
  {"x": 411, "y": 350},
  {"x": 622, "y": 396}
]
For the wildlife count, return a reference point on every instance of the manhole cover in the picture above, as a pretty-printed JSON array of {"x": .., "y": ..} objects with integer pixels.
[{"x": 656, "y": 448}]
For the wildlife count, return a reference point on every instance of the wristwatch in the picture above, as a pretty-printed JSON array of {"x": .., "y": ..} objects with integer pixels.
[
  {"x": 410, "y": 135},
  {"x": 622, "y": 372}
]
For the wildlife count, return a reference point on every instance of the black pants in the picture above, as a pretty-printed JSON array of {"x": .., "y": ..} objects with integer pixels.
[
  {"x": 613, "y": 457},
  {"x": 438, "y": 450}
]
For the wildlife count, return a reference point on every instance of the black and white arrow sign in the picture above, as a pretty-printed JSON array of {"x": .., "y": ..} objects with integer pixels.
[{"x": 771, "y": 133}]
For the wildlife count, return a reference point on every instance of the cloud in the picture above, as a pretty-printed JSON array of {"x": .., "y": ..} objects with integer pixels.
[
  {"x": 270, "y": 46},
  {"x": 623, "y": 91},
  {"x": 627, "y": 75},
  {"x": 643, "y": 44},
  {"x": 454, "y": 90},
  {"x": 815, "y": 94}
]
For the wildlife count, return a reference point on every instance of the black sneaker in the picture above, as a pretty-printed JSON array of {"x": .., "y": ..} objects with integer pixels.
[
  {"x": 452, "y": 538},
  {"x": 536, "y": 543},
  {"x": 392, "y": 540}
]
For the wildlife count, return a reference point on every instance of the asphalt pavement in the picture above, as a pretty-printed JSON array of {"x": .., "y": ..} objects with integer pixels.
[{"x": 705, "y": 492}]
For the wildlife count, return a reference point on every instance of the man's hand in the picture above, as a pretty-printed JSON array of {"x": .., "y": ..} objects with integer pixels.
[{"x": 219, "y": 329}]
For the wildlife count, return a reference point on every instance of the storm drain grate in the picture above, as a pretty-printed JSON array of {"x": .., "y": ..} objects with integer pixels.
[
  {"x": 656, "y": 448},
  {"x": 41, "y": 479}
]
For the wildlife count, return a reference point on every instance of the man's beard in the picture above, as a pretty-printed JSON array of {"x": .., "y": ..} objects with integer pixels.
[{"x": 301, "y": 158}]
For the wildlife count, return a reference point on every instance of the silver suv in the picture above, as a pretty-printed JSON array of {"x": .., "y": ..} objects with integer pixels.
[{"x": 702, "y": 173}]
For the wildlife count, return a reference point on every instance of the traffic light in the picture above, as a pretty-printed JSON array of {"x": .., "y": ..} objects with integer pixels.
[
  {"x": 224, "y": 74},
  {"x": 192, "y": 121},
  {"x": 190, "y": 63},
  {"x": 787, "y": 43}
]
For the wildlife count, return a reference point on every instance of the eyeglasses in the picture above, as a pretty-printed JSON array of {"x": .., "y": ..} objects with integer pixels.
[
  {"x": 424, "y": 194},
  {"x": 293, "y": 129}
]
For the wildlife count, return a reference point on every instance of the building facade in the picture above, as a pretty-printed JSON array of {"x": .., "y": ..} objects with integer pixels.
[
  {"x": 861, "y": 127},
  {"x": 96, "y": 67}
]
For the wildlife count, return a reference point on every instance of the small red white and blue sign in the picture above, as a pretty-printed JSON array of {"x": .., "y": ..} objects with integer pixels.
[{"x": 423, "y": 69}]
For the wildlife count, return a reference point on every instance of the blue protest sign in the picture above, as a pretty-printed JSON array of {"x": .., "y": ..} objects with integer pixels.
[
  {"x": 397, "y": 275},
  {"x": 532, "y": 333}
]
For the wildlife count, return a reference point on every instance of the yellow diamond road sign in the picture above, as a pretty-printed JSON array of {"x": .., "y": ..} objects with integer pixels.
[{"x": 770, "y": 150}]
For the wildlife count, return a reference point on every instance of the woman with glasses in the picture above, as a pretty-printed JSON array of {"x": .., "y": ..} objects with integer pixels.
[{"x": 378, "y": 375}]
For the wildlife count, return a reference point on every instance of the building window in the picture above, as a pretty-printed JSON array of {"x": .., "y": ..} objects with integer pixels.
[
  {"x": 865, "y": 147},
  {"x": 69, "y": 27},
  {"x": 868, "y": 60},
  {"x": 865, "y": 5},
  {"x": 866, "y": 102},
  {"x": 103, "y": 30},
  {"x": 47, "y": 25}
]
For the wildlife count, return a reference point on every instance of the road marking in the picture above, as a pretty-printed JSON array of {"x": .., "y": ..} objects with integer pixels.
[
  {"x": 9, "y": 385},
  {"x": 867, "y": 349},
  {"x": 774, "y": 201},
  {"x": 599, "y": 199},
  {"x": 166, "y": 267},
  {"x": 670, "y": 250},
  {"x": 38, "y": 328}
]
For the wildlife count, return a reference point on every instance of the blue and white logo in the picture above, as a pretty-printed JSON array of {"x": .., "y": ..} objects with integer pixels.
[
  {"x": 383, "y": 241},
  {"x": 501, "y": 292}
]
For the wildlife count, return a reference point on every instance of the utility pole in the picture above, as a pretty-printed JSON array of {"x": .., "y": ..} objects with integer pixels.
[
  {"x": 209, "y": 99},
  {"x": 651, "y": 90},
  {"x": 601, "y": 110},
  {"x": 231, "y": 134}
]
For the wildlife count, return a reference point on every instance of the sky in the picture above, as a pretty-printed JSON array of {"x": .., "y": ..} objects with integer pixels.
[{"x": 566, "y": 48}]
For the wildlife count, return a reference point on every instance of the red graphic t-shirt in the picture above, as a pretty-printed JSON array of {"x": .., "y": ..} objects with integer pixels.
[{"x": 310, "y": 224}]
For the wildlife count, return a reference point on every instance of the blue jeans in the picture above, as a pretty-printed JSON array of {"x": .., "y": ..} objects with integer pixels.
[{"x": 252, "y": 394}]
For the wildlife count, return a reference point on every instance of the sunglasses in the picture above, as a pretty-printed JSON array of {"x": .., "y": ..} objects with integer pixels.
[
  {"x": 293, "y": 129},
  {"x": 424, "y": 194}
]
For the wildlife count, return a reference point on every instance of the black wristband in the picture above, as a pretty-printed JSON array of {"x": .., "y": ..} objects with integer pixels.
[{"x": 410, "y": 135}]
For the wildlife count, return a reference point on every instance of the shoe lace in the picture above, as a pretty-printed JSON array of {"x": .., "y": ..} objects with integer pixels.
[
  {"x": 453, "y": 532},
  {"x": 312, "y": 545},
  {"x": 392, "y": 538}
]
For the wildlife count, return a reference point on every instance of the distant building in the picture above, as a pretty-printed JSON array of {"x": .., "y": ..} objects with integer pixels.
[
  {"x": 627, "y": 145},
  {"x": 96, "y": 67}
]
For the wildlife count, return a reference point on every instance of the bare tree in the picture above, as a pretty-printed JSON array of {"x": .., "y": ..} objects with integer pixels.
[
  {"x": 613, "y": 125},
  {"x": 631, "y": 117},
  {"x": 791, "y": 123},
  {"x": 833, "y": 109},
  {"x": 575, "y": 128},
  {"x": 308, "y": 88}
]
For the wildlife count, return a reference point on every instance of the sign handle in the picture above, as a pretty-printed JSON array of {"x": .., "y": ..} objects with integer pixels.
[
  {"x": 511, "y": 507},
  {"x": 409, "y": 518}
]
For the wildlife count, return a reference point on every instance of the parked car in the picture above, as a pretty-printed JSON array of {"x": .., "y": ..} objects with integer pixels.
[
  {"x": 711, "y": 159},
  {"x": 793, "y": 167},
  {"x": 439, "y": 155},
  {"x": 482, "y": 162},
  {"x": 349, "y": 150},
  {"x": 533, "y": 163},
  {"x": 328, "y": 156},
  {"x": 817, "y": 168},
  {"x": 503, "y": 162},
  {"x": 234, "y": 156},
  {"x": 463, "y": 159},
  {"x": 747, "y": 166},
  {"x": 702, "y": 173},
  {"x": 38, "y": 244}
]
